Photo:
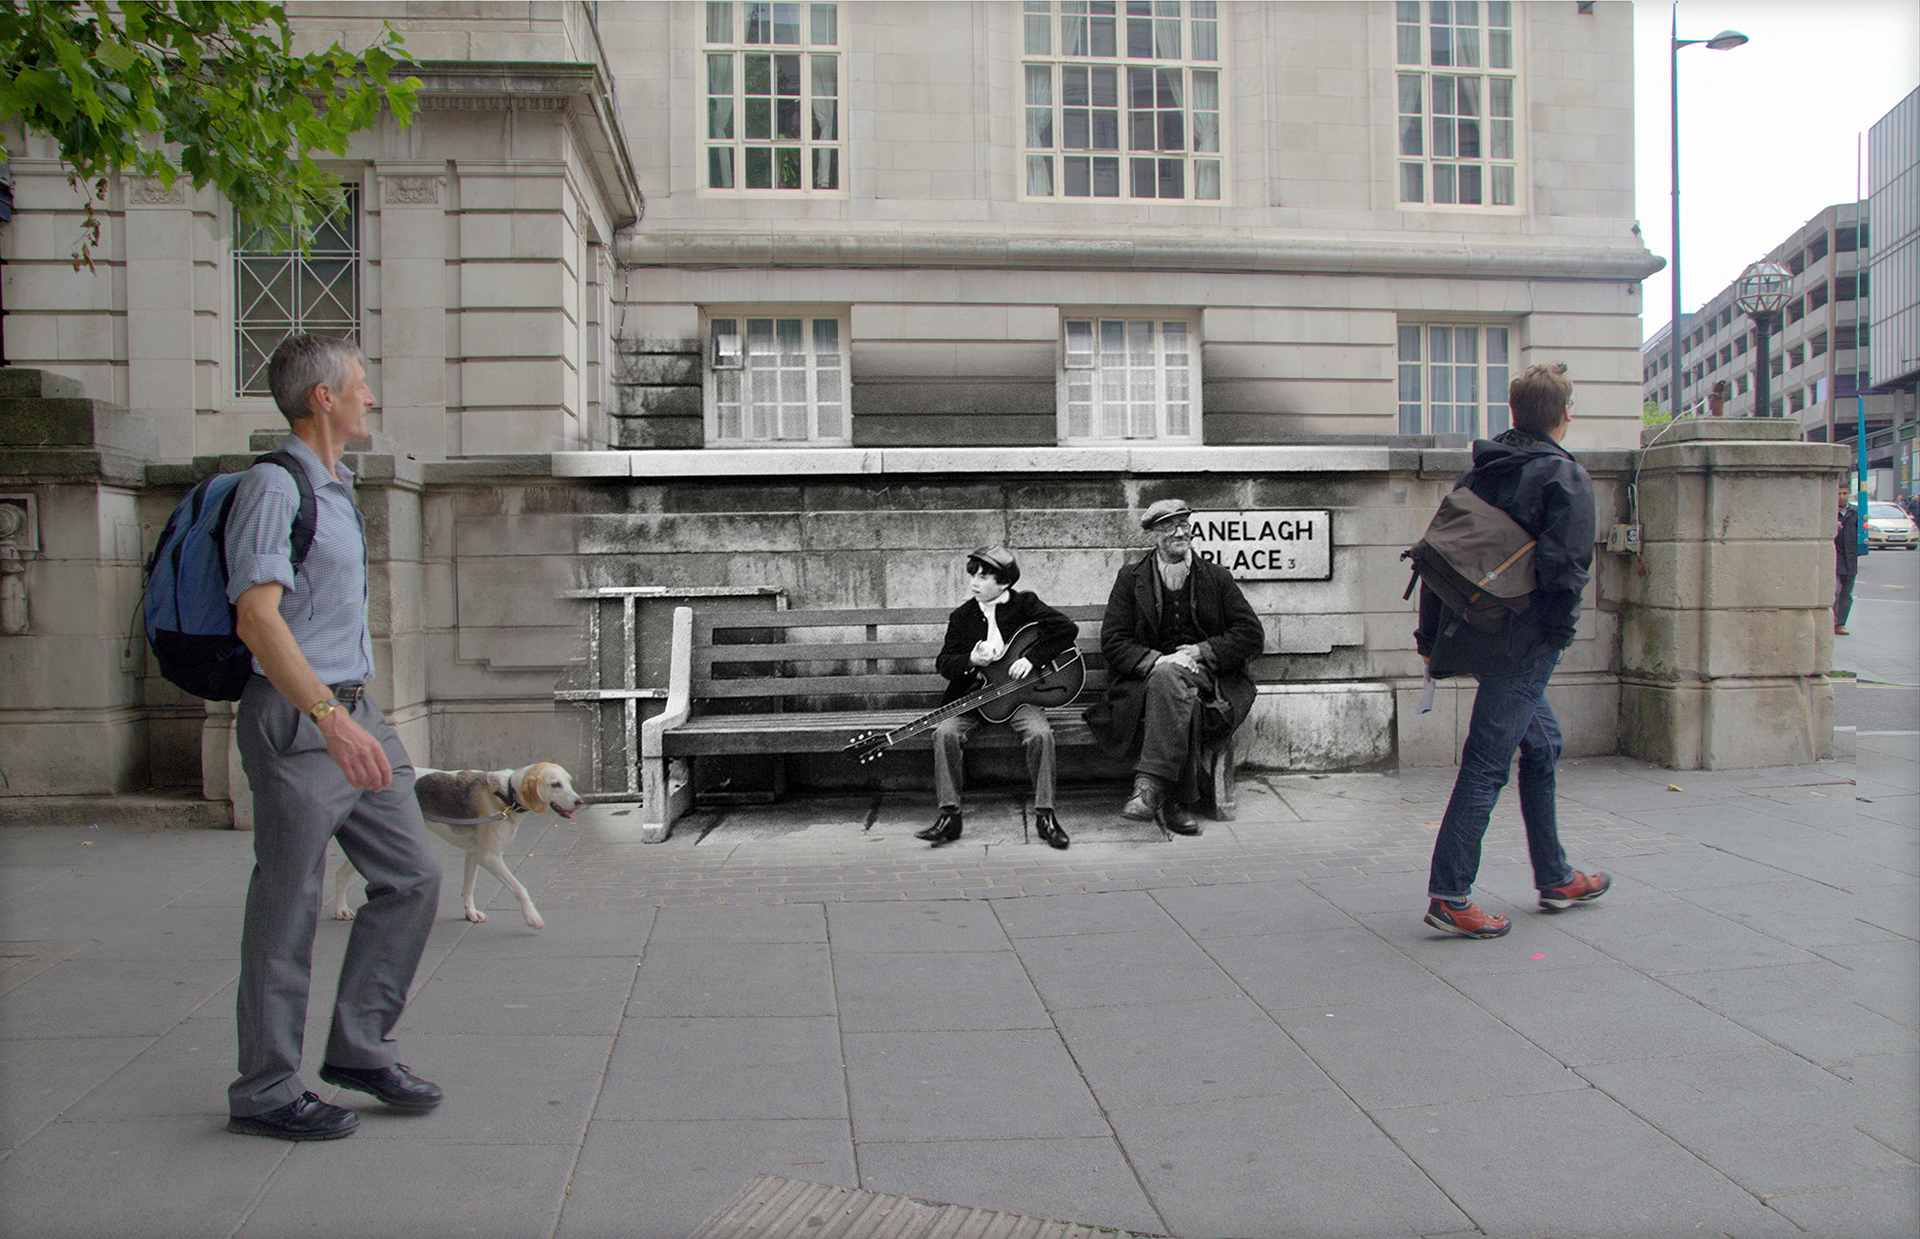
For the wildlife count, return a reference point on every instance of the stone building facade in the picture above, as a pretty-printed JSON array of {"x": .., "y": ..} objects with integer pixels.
[{"x": 684, "y": 298}]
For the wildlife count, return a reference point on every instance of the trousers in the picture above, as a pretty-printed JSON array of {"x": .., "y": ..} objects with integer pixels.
[
  {"x": 1029, "y": 721},
  {"x": 1842, "y": 597},
  {"x": 1170, "y": 726},
  {"x": 300, "y": 801},
  {"x": 1510, "y": 712}
]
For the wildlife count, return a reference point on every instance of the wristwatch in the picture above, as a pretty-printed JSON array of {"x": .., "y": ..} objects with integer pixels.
[{"x": 319, "y": 710}]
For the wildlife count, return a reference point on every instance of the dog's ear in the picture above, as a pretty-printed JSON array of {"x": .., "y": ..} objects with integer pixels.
[{"x": 531, "y": 793}]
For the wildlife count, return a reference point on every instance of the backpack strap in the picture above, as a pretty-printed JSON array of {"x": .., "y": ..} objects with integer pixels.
[{"x": 306, "y": 519}]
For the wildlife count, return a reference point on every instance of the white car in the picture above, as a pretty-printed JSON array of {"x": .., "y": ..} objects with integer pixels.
[{"x": 1888, "y": 526}]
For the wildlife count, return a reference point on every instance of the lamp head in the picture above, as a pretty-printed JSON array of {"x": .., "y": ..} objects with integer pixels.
[{"x": 1726, "y": 40}]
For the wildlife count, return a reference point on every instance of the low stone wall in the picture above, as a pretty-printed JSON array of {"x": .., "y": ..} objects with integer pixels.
[{"x": 1709, "y": 649}]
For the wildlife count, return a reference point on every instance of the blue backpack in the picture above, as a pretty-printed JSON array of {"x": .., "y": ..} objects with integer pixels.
[{"x": 189, "y": 622}]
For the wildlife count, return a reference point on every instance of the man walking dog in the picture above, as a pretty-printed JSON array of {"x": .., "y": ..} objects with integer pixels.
[
  {"x": 1529, "y": 476},
  {"x": 323, "y": 764}
]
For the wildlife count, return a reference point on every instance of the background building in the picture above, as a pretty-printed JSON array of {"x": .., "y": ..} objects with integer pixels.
[
  {"x": 673, "y": 301},
  {"x": 1894, "y": 214}
]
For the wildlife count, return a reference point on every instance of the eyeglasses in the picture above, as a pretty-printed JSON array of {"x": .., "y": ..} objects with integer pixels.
[{"x": 1168, "y": 527}]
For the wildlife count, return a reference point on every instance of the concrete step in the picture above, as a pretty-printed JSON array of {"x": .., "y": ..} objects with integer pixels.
[
  {"x": 19, "y": 381},
  {"x": 163, "y": 810}
]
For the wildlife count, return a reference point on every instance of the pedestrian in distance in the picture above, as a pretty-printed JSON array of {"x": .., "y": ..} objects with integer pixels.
[
  {"x": 1846, "y": 561},
  {"x": 1177, "y": 635},
  {"x": 323, "y": 764},
  {"x": 1527, "y": 474},
  {"x": 976, "y": 651}
]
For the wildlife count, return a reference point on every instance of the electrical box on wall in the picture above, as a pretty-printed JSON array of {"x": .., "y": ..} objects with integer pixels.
[{"x": 1624, "y": 539}]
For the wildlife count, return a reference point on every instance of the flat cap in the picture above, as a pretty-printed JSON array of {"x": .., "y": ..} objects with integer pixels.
[
  {"x": 1165, "y": 510},
  {"x": 998, "y": 558}
]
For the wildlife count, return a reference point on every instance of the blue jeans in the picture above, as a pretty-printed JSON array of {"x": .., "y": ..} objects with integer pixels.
[{"x": 1510, "y": 712}]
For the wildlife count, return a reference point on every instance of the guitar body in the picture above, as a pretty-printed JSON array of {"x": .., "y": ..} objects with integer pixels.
[
  {"x": 1054, "y": 684},
  {"x": 1049, "y": 687}
]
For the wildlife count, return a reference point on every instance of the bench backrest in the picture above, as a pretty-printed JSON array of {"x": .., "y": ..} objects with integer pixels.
[{"x": 874, "y": 658}]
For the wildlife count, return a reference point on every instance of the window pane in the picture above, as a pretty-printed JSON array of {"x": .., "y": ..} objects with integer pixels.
[
  {"x": 1143, "y": 178},
  {"x": 826, "y": 25},
  {"x": 826, "y": 169},
  {"x": 1502, "y": 186},
  {"x": 759, "y": 168},
  {"x": 786, "y": 24},
  {"x": 720, "y": 167},
  {"x": 1106, "y": 178},
  {"x": 720, "y": 73},
  {"x": 1040, "y": 176},
  {"x": 1039, "y": 33},
  {"x": 1206, "y": 180},
  {"x": 719, "y": 22},
  {"x": 1413, "y": 182}
]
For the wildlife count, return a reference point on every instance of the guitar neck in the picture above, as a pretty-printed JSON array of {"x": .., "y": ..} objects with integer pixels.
[{"x": 972, "y": 701}]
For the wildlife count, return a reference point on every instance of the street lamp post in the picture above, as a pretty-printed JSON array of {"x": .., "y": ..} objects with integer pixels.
[
  {"x": 1726, "y": 40},
  {"x": 1763, "y": 291}
]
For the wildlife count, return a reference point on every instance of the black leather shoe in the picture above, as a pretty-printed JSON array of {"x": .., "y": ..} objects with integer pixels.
[
  {"x": 1048, "y": 827},
  {"x": 1179, "y": 819},
  {"x": 1144, "y": 804},
  {"x": 395, "y": 1085},
  {"x": 945, "y": 828},
  {"x": 304, "y": 1118}
]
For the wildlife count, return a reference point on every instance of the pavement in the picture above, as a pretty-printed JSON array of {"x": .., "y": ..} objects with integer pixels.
[{"x": 1246, "y": 1034}]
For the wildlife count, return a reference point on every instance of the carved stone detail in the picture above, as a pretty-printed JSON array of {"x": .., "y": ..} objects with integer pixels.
[
  {"x": 411, "y": 190},
  {"x": 147, "y": 191}
]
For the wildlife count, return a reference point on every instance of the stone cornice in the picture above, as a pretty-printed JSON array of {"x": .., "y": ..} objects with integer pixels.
[{"x": 1005, "y": 249}]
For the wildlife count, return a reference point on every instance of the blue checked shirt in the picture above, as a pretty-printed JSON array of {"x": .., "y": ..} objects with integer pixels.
[{"x": 326, "y": 606}]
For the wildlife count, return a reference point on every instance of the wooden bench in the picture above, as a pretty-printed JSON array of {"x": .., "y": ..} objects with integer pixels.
[{"x": 753, "y": 683}]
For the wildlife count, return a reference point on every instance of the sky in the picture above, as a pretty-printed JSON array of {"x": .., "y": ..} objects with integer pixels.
[{"x": 1771, "y": 133}]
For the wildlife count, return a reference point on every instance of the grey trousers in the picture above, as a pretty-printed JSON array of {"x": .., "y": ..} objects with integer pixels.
[
  {"x": 300, "y": 801},
  {"x": 1036, "y": 737},
  {"x": 1842, "y": 598}
]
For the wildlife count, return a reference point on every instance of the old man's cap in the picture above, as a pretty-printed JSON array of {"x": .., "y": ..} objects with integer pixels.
[
  {"x": 1163, "y": 511},
  {"x": 998, "y": 558}
]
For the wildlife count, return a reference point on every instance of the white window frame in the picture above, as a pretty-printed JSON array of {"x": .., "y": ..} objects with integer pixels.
[
  {"x": 1422, "y": 373},
  {"x": 1100, "y": 398},
  {"x": 302, "y": 307},
  {"x": 811, "y": 402},
  {"x": 1438, "y": 64},
  {"x": 1088, "y": 134},
  {"x": 732, "y": 130}
]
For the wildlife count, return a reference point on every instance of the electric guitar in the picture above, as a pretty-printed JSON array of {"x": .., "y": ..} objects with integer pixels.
[{"x": 1054, "y": 684}]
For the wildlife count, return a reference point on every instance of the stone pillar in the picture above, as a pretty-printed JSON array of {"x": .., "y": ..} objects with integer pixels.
[
  {"x": 71, "y": 722},
  {"x": 413, "y": 342},
  {"x": 1726, "y": 627},
  {"x": 161, "y": 305}
]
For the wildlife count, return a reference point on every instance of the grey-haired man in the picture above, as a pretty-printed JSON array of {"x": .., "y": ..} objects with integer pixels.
[{"x": 323, "y": 764}]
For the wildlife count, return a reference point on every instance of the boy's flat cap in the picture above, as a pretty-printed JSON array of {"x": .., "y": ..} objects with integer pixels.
[{"x": 1000, "y": 559}]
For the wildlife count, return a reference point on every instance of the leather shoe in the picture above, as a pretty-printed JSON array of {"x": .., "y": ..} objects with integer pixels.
[
  {"x": 945, "y": 828},
  {"x": 306, "y": 1117},
  {"x": 1048, "y": 827},
  {"x": 396, "y": 1085},
  {"x": 1179, "y": 819},
  {"x": 1144, "y": 804}
]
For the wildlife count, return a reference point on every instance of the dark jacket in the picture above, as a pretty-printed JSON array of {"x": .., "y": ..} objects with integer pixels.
[
  {"x": 1846, "y": 543},
  {"x": 1545, "y": 490},
  {"x": 1131, "y": 638},
  {"x": 967, "y": 627}
]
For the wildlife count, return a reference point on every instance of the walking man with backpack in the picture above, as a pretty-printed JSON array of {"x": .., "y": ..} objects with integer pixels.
[
  {"x": 1527, "y": 475},
  {"x": 323, "y": 764}
]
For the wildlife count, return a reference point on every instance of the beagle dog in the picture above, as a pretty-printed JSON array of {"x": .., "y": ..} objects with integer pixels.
[{"x": 478, "y": 812}]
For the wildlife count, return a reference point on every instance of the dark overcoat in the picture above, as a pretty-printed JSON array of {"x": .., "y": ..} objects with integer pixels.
[
  {"x": 967, "y": 627},
  {"x": 1131, "y": 637}
]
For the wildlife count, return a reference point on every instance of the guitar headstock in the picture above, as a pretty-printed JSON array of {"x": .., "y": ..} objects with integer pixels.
[{"x": 867, "y": 746}]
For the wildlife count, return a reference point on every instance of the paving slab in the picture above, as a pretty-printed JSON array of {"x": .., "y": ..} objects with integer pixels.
[
  {"x": 583, "y": 997},
  {"x": 1605, "y": 1013},
  {"x": 927, "y": 991},
  {"x": 1766, "y": 1119},
  {"x": 720, "y": 1067},
  {"x": 945, "y": 925},
  {"x": 660, "y": 1180},
  {"x": 1806, "y": 1008},
  {"x": 1664, "y": 939},
  {"x": 482, "y": 1189},
  {"x": 1324, "y": 968},
  {"x": 41, "y": 1077},
  {"x": 765, "y": 978},
  {"x": 1254, "y": 908},
  {"x": 1097, "y": 970},
  {"x": 1423, "y": 1051},
  {"x": 1171, "y": 1053},
  {"x": 966, "y": 1086},
  {"x": 1304, "y": 1164},
  {"x": 502, "y": 1088},
  {"x": 1572, "y": 1164}
]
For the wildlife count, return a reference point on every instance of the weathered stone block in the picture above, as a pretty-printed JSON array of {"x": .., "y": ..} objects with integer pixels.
[{"x": 1318, "y": 727}]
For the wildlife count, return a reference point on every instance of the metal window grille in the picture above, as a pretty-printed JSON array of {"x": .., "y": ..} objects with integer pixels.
[
  {"x": 773, "y": 118},
  {"x": 279, "y": 291},
  {"x": 1123, "y": 99}
]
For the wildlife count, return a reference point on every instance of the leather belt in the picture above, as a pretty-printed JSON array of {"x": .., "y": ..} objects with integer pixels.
[{"x": 349, "y": 695}]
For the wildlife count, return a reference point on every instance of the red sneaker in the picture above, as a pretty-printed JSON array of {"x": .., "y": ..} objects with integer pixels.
[
  {"x": 1467, "y": 922},
  {"x": 1579, "y": 889}
]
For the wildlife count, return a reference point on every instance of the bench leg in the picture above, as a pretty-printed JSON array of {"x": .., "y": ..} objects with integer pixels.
[
  {"x": 1219, "y": 767},
  {"x": 666, "y": 792}
]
